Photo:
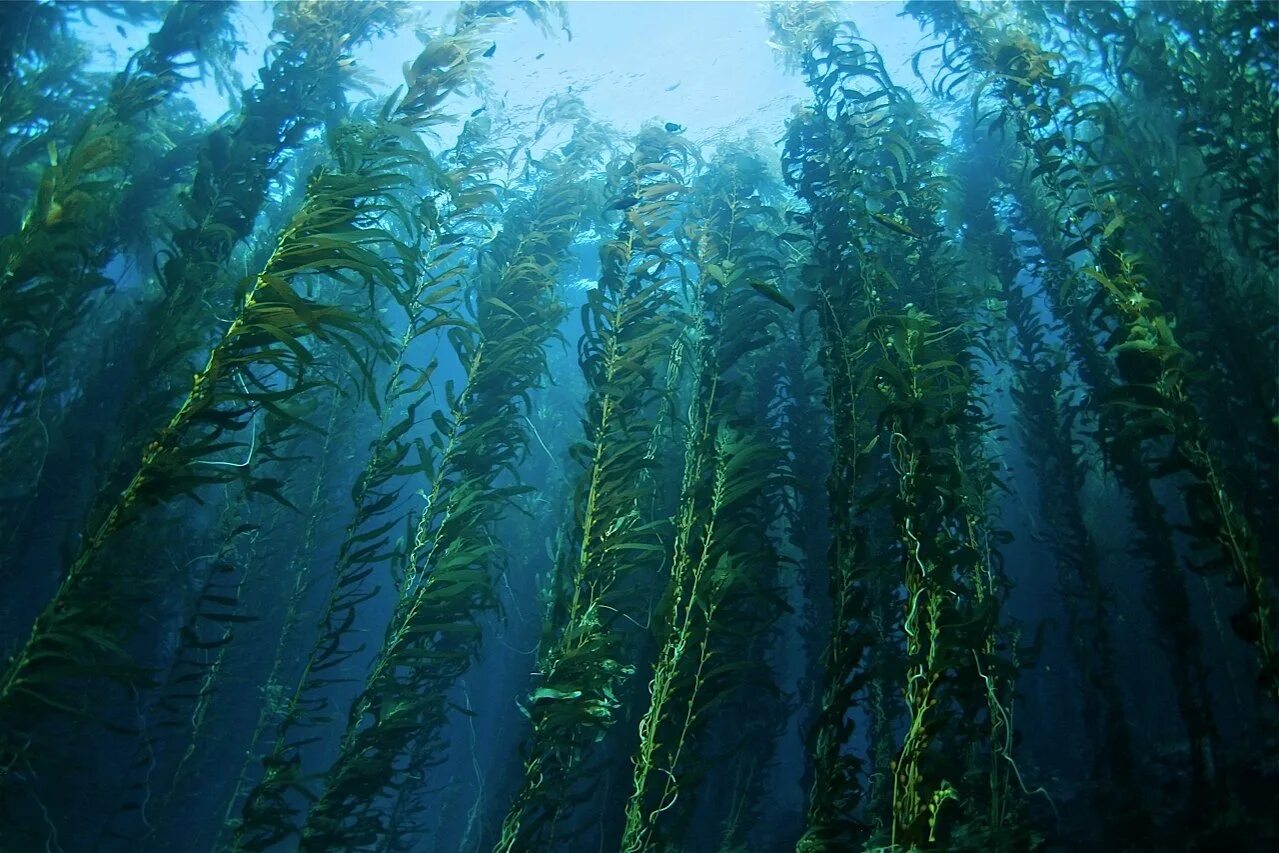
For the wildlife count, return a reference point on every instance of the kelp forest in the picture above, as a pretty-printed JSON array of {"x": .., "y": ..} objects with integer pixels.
[{"x": 390, "y": 461}]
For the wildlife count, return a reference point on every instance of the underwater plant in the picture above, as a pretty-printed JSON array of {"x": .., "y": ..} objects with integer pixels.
[
  {"x": 302, "y": 86},
  {"x": 867, "y": 147},
  {"x": 727, "y": 470},
  {"x": 424, "y": 293},
  {"x": 1152, "y": 398},
  {"x": 568, "y": 451},
  {"x": 628, "y": 325},
  {"x": 41, "y": 54},
  {"x": 1178, "y": 162},
  {"x": 51, "y": 267},
  {"x": 260, "y": 362},
  {"x": 451, "y": 565}
]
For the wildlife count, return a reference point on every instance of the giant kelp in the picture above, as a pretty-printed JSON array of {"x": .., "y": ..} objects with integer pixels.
[
  {"x": 52, "y": 264},
  {"x": 833, "y": 423}
]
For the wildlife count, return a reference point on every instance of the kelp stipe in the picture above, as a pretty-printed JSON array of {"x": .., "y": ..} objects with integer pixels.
[
  {"x": 846, "y": 505},
  {"x": 444, "y": 66},
  {"x": 175, "y": 312},
  {"x": 261, "y": 361},
  {"x": 51, "y": 269},
  {"x": 911, "y": 374},
  {"x": 727, "y": 471},
  {"x": 1050, "y": 415},
  {"x": 1152, "y": 395},
  {"x": 1197, "y": 197},
  {"x": 628, "y": 325},
  {"x": 302, "y": 86},
  {"x": 451, "y": 565}
]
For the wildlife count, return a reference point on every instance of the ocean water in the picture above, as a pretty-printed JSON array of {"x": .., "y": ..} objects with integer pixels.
[{"x": 639, "y": 426}]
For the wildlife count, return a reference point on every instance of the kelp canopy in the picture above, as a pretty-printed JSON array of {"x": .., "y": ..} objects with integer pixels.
[{"x": 412, "y": 467}]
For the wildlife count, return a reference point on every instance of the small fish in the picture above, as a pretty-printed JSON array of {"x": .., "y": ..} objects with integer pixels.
[
  {"x": 474, "y": 113},
  {"x": 492, "y": 50},
  {"x": 672, "y": 127},
  {"x": 893, "y": 225},
  {"x": 120, "y": 29},
  {"x": 539, "y": 56},
  {"x": 673, "y": 86},
  {"x": 624, "y": 203},
  {"x": 768, "y": 290}
]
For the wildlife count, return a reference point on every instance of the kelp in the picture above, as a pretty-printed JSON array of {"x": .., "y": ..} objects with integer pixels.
[
  {"x": 1049, "y": 429},
  {"x": 782, "y": 602},
  {"x": 261, "y": 362},
  {"x": 451, "y": 565},
  {"x": 1167, "y": 597},
  {"x": 1053, "y": 423},
  {"x": 1139, "y": 369},
  {"x": 52, "y": 267},
  {"x": 216, "y": 210},
  {"x": 628, "y": 325},
  {"x": 424, "y": 293},
  {"x": 302, "y": 86},
  {"x": 1153, "y": 398},
  {"x": 836, "y": 789},
  {"x": 906, "y": 380},
  {"x": 727, "y": 470},
  {"x": 302, "y": 571},
  {"x": 51, "y": 264},
  {"x": 46, "y": 99},
  {"x": 1176, "y": 161}
]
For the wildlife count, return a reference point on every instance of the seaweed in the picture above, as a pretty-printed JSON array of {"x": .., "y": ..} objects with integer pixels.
[{"x": 431, "y": 468}]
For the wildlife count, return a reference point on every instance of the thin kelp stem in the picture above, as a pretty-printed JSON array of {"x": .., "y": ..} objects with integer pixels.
[
  {"x": 1153, "y": 398},
  {"x": 898, "y": 329},
  {"x": 79, "y": 634},
  {"x": 453, "y": 564},
  {"x": 52, "y": 268},
  {"x": 732, "y": 266},
  {"x": 628, "y": 328}
]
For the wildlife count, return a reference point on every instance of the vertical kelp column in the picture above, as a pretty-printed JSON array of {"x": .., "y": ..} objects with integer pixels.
[
  {"x": 1187, "y": 138},
  {"x": 613, "y": 549},
  {"x": 295, "y": 581},
  {"x": 178, "y": 760},
  {"x": 303, "y": 85},
  {"x": 759, "y": 677},
  {"x": 1216, "y": 62},
  {"x": 266, "y": 358},
  {"x": 799, "y": 418},
  {"x": 272, "y": 810},
  {"x": 1051, "y": 418},
  {"x": 302, "y": 88},
  {"x": 453, "y": 564},
  {"x": 52, "y": 266},
  {"x": 721, "y": 556},
  {"x": 812, "y": 166},
  {"x": 957, "y": 434},
  {"x": 1153, "y": 533},
  {"x": 1129, "y": 353},
  {"x": 1151, "y": 406},
  {"x": 863, "y": 159},
  {"x": 521, "y": 304},
  {"x": 48, "y": 95}
]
